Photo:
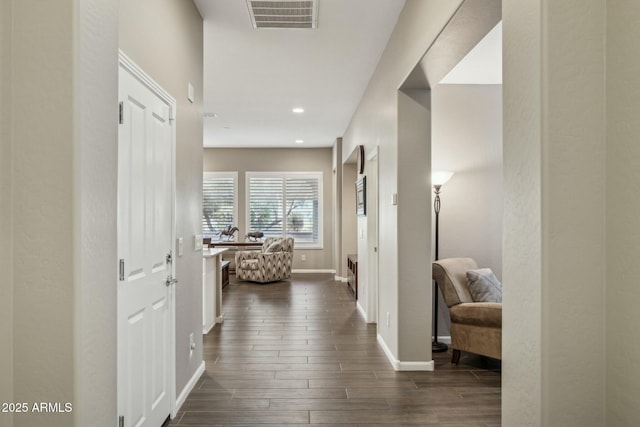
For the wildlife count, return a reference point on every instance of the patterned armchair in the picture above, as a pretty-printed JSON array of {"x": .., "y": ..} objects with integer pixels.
[{"x": 270, "y": 264}]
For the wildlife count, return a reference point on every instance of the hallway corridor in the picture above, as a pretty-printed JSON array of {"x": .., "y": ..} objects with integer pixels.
[{"x": 299, "y": 353}]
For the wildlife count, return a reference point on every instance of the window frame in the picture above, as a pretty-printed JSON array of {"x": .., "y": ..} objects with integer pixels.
[
  {"x": 318, "y": 175},
  {"x": 223, "y": 174}
]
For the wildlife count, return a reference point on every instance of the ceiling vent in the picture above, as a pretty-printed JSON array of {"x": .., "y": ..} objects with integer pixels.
[{"x": 283, "y": 13}]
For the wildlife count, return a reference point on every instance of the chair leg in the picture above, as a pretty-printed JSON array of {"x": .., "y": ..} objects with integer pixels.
[{"x": 455, "y": 357}]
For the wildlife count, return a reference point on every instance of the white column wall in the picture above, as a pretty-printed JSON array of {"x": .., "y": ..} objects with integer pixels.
[
  {"x": 553, "y": 308},
  {"x": 336, "y": 183},
  {"x": 95, "y": 182},
  {"x": 623, "y": 213}
]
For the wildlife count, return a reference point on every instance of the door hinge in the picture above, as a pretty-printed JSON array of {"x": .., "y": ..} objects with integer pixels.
[
  {"x": 121, "y": 270},
  {"x": 121, "y": 421},
  {"x": 169, "y": 258},
  {"x": 121, "y": 113}
]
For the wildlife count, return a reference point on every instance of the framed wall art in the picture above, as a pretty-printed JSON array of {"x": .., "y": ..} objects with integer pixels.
[{"x": 361, "y": 196}]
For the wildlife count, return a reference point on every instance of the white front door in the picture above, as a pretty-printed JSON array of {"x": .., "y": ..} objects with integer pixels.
[{"x": 145, "y": 221}]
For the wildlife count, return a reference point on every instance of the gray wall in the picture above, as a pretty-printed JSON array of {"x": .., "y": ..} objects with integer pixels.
[
  {"x": 349, "y": 221},
  {"x": 60, "y": 191},
  {"x": 164, "y": 37},
  {"x": 413, "y": 210},
  {"x": 58, "y": 196},
  {"x": 467, "y": 139},
  {"x": 42, "y": 290},
  {"x": 375, "y": 123},
  {"x": 6, "y": 215},
  {"x": 279, "y": 160}
]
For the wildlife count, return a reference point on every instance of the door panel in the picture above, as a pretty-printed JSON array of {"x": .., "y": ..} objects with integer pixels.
[
  {"x": 160, "y": 366},
  {"x": 145, "y": 220},
  {"x": 135, "y": 367}
]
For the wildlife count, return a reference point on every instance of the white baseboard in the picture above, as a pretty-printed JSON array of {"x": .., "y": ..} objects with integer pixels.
[
  {"x": 207, "y": 328},
  {"x": 416, "y": 366},
  {"x": 189, "y": 387},
  {"x": 311, "y": 270},
  {"x": 361, "y": 311},
  {"x": 341, "y": 279},
  {"x": 404, "y": 366},
  {"x": 445, "y": 339},
  {"x": 387, "y": 352}
]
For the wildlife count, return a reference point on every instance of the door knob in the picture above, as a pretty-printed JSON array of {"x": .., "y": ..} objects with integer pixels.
[{"x": 171, "y": 281}]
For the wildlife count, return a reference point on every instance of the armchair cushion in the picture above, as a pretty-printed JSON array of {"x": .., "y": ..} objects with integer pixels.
[
  {"x": 487, "y": 314},
  {"x": 484, "y": 286}
]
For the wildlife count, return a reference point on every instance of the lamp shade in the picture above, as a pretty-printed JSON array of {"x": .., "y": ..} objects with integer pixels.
[{"x": 440, "y": 177}]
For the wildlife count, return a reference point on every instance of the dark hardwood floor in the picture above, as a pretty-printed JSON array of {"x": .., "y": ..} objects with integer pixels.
[{"x": 299, "y": 353}]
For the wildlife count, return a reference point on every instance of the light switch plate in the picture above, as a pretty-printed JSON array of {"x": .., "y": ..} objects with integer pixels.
[
  {"x": 180, "y": 246},
  {"x": 394, "y": 199},
  {"x": 197, "y": 242}
]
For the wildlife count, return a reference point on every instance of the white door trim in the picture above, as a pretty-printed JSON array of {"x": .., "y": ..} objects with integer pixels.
[
  {"x": 373, "y": 233},
  {"x": 126, "y": 63}
]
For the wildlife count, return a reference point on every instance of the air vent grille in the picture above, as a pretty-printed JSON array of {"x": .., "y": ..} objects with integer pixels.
[{"x": 283, "y": 13}]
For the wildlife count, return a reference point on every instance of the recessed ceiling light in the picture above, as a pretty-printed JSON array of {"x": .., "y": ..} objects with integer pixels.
[
  {"x": 298, "y": 110},
  {"x": 210, "y": 115},
  {"x": 299, "y": 141}
]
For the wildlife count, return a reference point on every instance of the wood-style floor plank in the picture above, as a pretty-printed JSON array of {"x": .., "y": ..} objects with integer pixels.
[{"x": 299, "y": 353}]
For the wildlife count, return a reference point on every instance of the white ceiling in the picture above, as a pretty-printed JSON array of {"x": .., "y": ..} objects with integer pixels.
[{"x": 254, "y": 77}]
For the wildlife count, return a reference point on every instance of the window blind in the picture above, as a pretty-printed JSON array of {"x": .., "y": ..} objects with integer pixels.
[
  {"x": 286, "y": 204},
  {"x": 219, "y": 203},
  {"x": 265, "y": 205}
]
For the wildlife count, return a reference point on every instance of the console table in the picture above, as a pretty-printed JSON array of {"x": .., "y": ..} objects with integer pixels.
[
  {"x": 212, "y": 280},
  {"x": 235, "y": 244},
  {"x": 352, "y": 273},
  {"x": 232, "y": 247},
  {"x": 224, "y": 265}
]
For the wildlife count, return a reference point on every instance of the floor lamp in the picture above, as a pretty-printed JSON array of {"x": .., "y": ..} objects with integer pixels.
[{"x": 438, "y": 179}]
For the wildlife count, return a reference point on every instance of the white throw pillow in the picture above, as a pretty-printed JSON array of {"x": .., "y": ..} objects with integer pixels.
[{"x": 484, "y": 286}]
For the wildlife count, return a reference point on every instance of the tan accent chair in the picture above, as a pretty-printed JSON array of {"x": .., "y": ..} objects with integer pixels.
[
  {"x": 476, "y": 327},
  {"x": 266, "y": 265}
]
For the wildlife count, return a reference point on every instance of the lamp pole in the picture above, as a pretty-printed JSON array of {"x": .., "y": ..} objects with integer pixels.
[{"x": 436, "y": 346}]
